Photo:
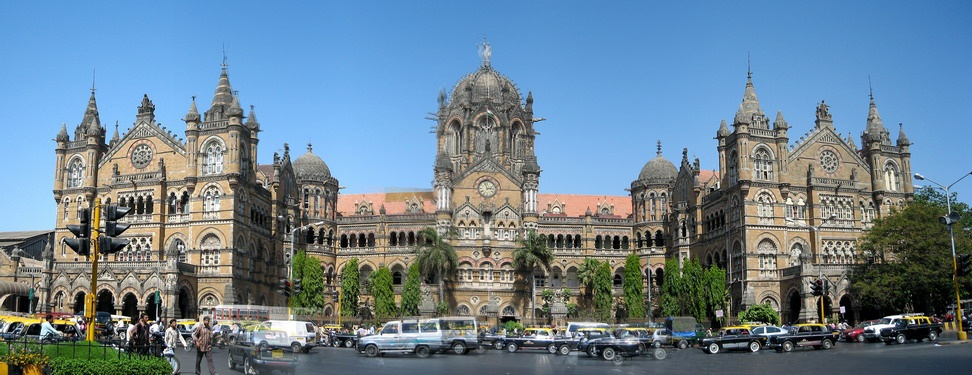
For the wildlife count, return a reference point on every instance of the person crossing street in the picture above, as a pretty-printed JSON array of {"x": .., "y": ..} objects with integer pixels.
[{"x": 202, "y": 336}]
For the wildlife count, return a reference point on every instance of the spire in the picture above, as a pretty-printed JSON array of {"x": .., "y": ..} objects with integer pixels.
[
  {"x": 780, "y": 123},
  {"x": 749, "y": 111},
  {"x": 115, "y": 137},
  {"x": 902, "y": 138},
  {"x": 62, "y": 136},
  {"x": 193, "y": 114},
  {"x": 146, "y": 111},
  {"x": 253, "y": 124},
  {"x": 850, "y": 141},
  {"x": 223, "y": 97},
  {"x": 235, "y": 110},
  {"x": 875, "y": 131},
  {"x": 723, "y": 130},
  {"x": 91, "y": 116}
]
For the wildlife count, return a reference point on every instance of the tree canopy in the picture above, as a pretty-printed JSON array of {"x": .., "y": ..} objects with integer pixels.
[
  {"x": 349, "y": 288},
  {"x": 412, "y": 291},
  {"x": 532, "y": 254},
  {"x": 436, "y": 257},
  {"x": 382, "y": 290},
  {"x": 692, "y": 290},
  {"x": 308, "y": 270},
  {"x": 633, "y": 285},
  {"x": 906, "y": 262}
]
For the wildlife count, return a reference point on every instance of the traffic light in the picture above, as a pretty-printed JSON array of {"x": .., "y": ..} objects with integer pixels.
[
  {"x": 826, "y": 289},
  {"x": 81, "y": 244},
  {"x": 109, "y": 244},
  {"x": 284, "y": 287},
  {"x": 816, "y": 287},
  {"x": 297, "y": 286},
  {"x": 963, "y": 265}
]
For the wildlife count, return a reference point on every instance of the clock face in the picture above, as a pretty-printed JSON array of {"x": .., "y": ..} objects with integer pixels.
[
  {"x": 829, "y": 161},
  {"x": 487, "y": 188},
  {"x": 142, "y": 156}
]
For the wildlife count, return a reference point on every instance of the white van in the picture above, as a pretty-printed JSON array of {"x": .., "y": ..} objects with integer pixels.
[{"x": 303, "y": 335}]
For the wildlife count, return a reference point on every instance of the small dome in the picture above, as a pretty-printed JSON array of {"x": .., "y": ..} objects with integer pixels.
[
  {"x": 310, "y": 167},
  {"x": 658, "y": 170}
]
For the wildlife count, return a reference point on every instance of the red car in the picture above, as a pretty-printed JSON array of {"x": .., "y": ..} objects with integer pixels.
[{"x": 856, "y": 334}]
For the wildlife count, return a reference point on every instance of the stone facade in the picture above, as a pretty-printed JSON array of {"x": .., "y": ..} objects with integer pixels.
[{"x": 211, "y": 227}]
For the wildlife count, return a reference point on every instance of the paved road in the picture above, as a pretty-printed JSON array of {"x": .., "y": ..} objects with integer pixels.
[{"x": 912, "y": 358}]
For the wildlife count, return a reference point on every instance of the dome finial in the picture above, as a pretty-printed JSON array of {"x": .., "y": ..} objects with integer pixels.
[
  {"x": 485, "y": 52},
  {"x": 659, "y": 148},
  {"x": 310, "y": 148}
]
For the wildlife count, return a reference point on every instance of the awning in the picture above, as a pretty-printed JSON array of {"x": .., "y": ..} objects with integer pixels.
[{"x": 19, "y": 289}]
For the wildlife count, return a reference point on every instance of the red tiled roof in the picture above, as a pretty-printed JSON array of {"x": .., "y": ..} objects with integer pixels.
[{"x": 394, "y": 202}]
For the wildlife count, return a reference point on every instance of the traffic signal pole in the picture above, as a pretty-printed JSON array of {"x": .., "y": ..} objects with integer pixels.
[{"x": 89, "y": 306}]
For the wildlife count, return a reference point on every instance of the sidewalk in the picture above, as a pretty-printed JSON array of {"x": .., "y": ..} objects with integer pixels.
[{"x": 951, "y": 338}]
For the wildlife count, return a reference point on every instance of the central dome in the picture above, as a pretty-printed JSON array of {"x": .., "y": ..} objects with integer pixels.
[
  {"x": 486, "y": 83},
  {"x": 310, "y": 167}
]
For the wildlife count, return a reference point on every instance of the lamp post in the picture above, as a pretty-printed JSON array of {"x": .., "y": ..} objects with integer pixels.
[
  {"x": 815, "y": 248},
  {"x": 948, "y": 207}
]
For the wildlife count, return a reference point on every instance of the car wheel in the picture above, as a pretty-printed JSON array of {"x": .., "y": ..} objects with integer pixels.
[
  {"x": 754, "y": 346},
  {"x": 787, "y": 346},
  {"x": 609, "y": 354},
  {"x": 295, "y": 347},
  {"x": 336, "y": 343},
  {"x": 498, "y": 345},
  {"x": 591, "y": 351},
  {"x": 826, "y": 344},
  {"x": 459, "y": 348},
  {"x": 564, "y": 350},
  {"x": 348, "y": 343},
  {"x": 248, "y": 367},
  {"x": 511, "y": 347},
  {"x": 683, "y": 344},
  {"x": 423, "y": 352},
  {"x": 656, "y": 344},
  {"x": 229, "y": 362},
  {"x": 552, "y": 348},
  {"x": 860, "y": 338},
  {"x": 713, "y": 348},
  {"x": 900, "y": 338},
  {"x": 371, "y": 350},
  {"x": 932, "y": 336},
  {"x": 659, "y": 353}
]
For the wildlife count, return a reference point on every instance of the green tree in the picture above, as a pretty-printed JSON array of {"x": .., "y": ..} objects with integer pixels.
[
  {"x": 349, "y": 288},
  {"x": 761, "y": 313},
  {"x": 586, "y": 275},
  {"x": 436, "y": 257},
  {"x": 308, "y": 270},
  {"x": 412, "y": 291},
  {"x": 714, "y": 290},
  {"x": 382, "y": 290},
  {"x": 633, "y": 286},
  {"x": 602, "y": 292},
  {"x": 532, "y": 254},
  {"x": 690, "y": 290},
  {"x": 906, "y": 258}
]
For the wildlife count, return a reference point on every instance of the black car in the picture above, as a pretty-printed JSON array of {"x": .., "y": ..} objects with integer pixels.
[
  {"x": 733, "y": 338},
  {"x": 616, "y": 350}
]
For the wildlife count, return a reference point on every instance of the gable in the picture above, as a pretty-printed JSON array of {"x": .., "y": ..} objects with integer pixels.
[{"x": 163, "y": 142}]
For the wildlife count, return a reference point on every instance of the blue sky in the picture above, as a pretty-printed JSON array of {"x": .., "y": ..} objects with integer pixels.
[{"x": 358, "y": 78}]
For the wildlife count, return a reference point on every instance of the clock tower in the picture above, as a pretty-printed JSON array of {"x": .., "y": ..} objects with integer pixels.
[{"x": 486, "y": 171}]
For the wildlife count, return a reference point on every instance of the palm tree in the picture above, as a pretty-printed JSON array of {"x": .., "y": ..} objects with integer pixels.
[
  {"x": 532, "y": 253},
  {"x": 436, "y": 257},
  {"x": 586, "y": 273}
]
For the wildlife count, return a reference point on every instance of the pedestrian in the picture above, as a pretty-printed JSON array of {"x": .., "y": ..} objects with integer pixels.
[{"x": 202, "y": 336}]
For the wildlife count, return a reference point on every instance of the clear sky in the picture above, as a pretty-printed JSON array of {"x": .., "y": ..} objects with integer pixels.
[{"x": 357, "y": 78}]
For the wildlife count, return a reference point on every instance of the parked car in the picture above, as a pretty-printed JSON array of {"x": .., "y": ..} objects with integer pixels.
[
  {"x": 733, "y": 338},
  {"x": 406, "y": 336},
  {"x": 767, "y": 331},
  {"x": 818, "y": 336},
  {"x": 912, "y": 328},
  {"x": 257, "y": 359},
  {"x": 873, "y": 332},
  {"x": 856, "y": 333}
]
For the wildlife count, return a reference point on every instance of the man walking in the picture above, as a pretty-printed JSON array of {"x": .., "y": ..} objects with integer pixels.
[{"x": 202, "y": 337}]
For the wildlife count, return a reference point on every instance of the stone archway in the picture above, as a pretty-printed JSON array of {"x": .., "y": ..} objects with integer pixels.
[
  {"x": 130, "y": 305},
  {"x": 185, "y": 303},
  {"x": 106, "y": 301},
  {"x": 847, "y": 304},
  {"x": 79, "y": 302},
  {"x": 795, "y": 305}
]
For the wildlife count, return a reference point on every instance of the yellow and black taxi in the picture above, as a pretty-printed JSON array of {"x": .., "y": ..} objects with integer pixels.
[
  {"x": 733, "y": 338},
  {"x": 533, "y": 338},
  {"x": 818, "y": 336}
]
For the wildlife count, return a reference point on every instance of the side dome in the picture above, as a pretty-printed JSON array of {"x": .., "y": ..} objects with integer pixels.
[
  {"x": 658, "y": 170},
  {"x": 310, "y": 167}
]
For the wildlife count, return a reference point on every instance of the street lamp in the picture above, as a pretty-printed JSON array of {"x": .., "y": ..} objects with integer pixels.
[
  {"x": 814, "y": 248},
  {"x": 948, "y": 207}
]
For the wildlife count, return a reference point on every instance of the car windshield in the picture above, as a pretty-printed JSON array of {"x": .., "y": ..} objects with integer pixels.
[{"x": 886, "y": 321}]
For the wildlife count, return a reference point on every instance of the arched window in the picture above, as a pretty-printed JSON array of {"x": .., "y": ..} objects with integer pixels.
[
  {"x": 764, "y": 207},
  {"x": 213, "y": 157},
  {"x": 181, "y": 252},
  {"x": 892, "y": 180},
  {"x": 211, "y": 201},
  {"x": 67, "y": 208},
  {"x": 731, "y": 172},
  {"x": 763, "y": 164},
  {"x": 75, "y": 173}
]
